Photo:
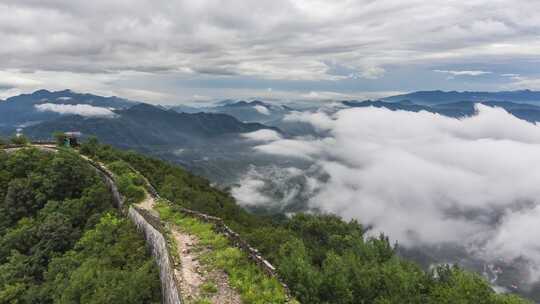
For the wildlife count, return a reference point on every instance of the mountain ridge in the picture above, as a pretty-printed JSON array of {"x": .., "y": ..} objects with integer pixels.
[
  {"x": 439, "y": 96},
  {"x": 144, "y": 124},
  {"x": 525, "y": 111},
  {"x": 21, "y": 110}
]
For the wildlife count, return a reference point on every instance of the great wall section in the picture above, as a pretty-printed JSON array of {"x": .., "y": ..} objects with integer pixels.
[
  {"x": 153, "y": 234},
  {"x": 153, "y": 229}
]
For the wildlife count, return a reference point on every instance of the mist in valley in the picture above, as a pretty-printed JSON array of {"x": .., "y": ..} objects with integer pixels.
[{"x": 447, "y": 190}]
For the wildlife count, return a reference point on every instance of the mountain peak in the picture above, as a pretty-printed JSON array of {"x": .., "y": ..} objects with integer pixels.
[
  {"x": 41, "y": 92},
  {"x": 145, "y": 107},
  {"x": 244, "y": 103},
  {"x": 441, "y": 97},
  {"x": 258, "y": 103}
]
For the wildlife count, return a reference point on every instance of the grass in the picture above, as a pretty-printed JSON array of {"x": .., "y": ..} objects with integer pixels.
[
  {"x": 252, "y": 284},
  {"x": 209, "y": 288}
]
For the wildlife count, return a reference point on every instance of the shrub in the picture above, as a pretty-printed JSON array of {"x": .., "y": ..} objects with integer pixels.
[
  {"x": 19, "y": 140},
  {"x": 90, "y": 147}
]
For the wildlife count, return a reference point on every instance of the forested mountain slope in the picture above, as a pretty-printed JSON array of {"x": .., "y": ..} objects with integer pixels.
[
  {"x": 146, "y": 126},
  {"x": 440, "y": 97},
  {"x": 24, "y": 110},
  {"x": 528, "y": 112},
  {"x": 61, "y": 241},
  {"x": 322, "y": 258}
]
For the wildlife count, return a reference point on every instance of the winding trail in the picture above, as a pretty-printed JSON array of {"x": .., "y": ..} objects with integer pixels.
[
  {"x": 196, "y": 282},
  {"x": 154, "y": 238},
  {"x": 191, "y": 274}
]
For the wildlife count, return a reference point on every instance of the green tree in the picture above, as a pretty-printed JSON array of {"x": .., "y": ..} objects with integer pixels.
[
  {"x": 109, "y": 264},
  {"x": 456, "y": 286},
  {"x": 19, "y": 140},
  {"x": 335, "y": 287},
  {"x": 49, "y": 201},
  {"x": 90, "y": 146},
  {"x": 21, "y": 199},
  {"x": 294, "y": 265},
  {"x": 322, "y": 258}
]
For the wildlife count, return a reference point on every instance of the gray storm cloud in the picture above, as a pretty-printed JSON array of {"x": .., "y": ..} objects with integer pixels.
[
  {"x": 264, "y": 38},
  {"x": 113, "y": 46},
  {"x": 78, "y": 109},
  {"x": 427, "y": 179}
]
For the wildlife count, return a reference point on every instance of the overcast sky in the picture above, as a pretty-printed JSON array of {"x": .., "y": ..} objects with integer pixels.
[{"x": 186, "y": 51}]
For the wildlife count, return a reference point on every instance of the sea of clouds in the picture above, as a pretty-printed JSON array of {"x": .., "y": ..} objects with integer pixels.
[
  {"x": 77, "y": 109},
  {"x": 421, "y": 178}
]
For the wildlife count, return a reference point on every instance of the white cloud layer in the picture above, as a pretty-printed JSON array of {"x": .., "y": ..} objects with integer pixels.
[
  {"x": 463, "y": 73},
  {"x": 427, "y": 179},
  {"x": 262, "y": 109},
  {"x": 78, "y": 109},
  {"x": 262, "y": 135}
]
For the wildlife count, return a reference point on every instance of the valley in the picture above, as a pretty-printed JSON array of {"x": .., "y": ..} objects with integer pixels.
[
  {"x": 228, "y": 152},
  {"x": 269, "y": 152}
]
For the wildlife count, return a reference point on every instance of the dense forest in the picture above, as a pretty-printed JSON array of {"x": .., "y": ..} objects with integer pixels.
[
  {"x": 61, "y": 240},
  {"x": 322, "y": 258}
]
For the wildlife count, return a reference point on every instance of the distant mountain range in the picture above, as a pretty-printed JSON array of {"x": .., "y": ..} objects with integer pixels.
[
  {"x": 134, "y": 124},
  {"x": 255, "y": 111},
  {"x": 146, "y": 125},
  {"x": 22, "y": 110},
  {"x": 523, "y": 111},
  {"x": 114, "y": 120},
  {"x": 207, "y": 140},
  {"x": 251, "y": 111},
  {"x": 438, "y": 97}
]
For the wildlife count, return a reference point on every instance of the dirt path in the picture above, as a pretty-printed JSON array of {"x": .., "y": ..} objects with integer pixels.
[
  {"x": 196, "y": 282},
  {"x": 190, "y": 272},
  {"x": 46, "y": 148},
  {"x": 147, "y": 204}
]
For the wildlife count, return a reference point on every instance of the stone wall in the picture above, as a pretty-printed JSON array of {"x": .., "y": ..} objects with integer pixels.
[
  {"x": 149, "y": 225},
  {"x": 152, "y": 230},
  {"x": 108, "y": 177},
  {"x": 235, "y": 239},
  {"x": 158, "y": 246}
]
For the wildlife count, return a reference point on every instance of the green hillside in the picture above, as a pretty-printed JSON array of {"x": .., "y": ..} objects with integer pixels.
[
  {"x": 61, "y": 241},
  {"x": 322, "y": 258}
]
